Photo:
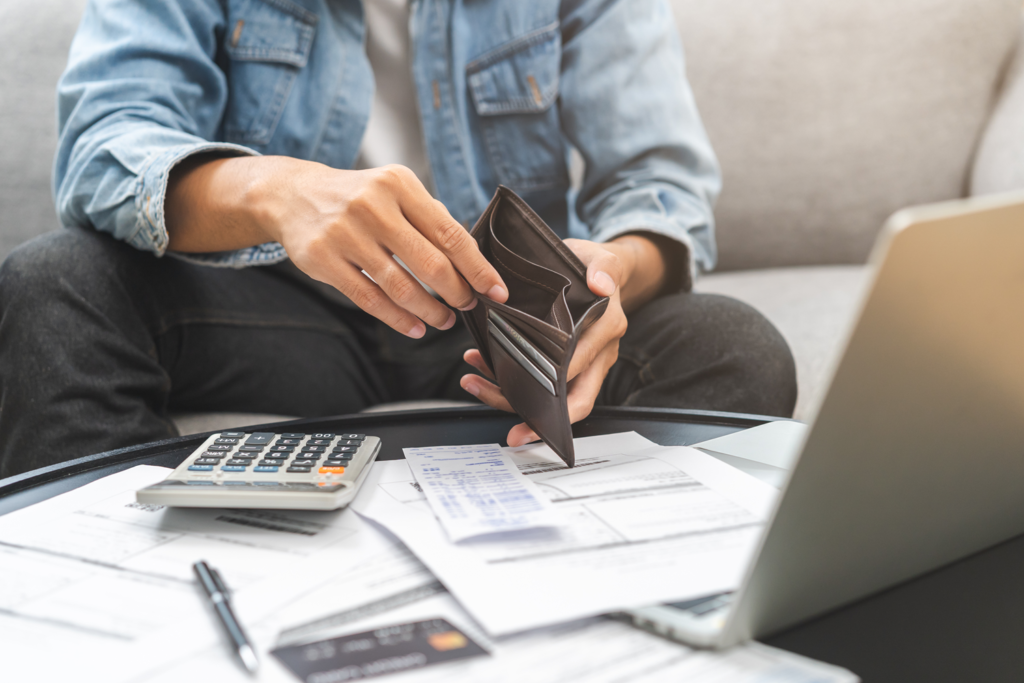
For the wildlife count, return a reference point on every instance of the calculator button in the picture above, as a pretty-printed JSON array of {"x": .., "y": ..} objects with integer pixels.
[
  {"x": 278, "y": 448},
  {"x": 226, "y": 441},
  {"x": 231, "y": 468},
  {"x": 219, "y": 448},
  {"x": 240, "y": 463},
  {"x": 323, "y": 435},
  {"x": 207, "y": 461},
  {"x": 232, "y": 435},
  {"x": 288, "y": 442},
  {"x": 270, "y": 463},
  {"x": 303, "y": 463},
  {"x": 232, "y": 482},
  {"x": 293, "y": 435},
  {"x": 348, "y": 442},
  {"x": 353, "y": 437},
  {"x": 344, "y": 449},
  {"x": 319, "y": 442},
  {"x": 299, "y": 470},
  {"x": 314, "y": 449},
  {"x": 209, "y": 454},
  {"x": 199, "y": 483},
  {"x": 259, "y": 438},
  {"x": 200, "y": 468},
  {"x": 265, "y": 468},
  {"x": 249, "y": 448},
  {"x": 332, "y": 470},
  {"x": 342, "y": 457}
]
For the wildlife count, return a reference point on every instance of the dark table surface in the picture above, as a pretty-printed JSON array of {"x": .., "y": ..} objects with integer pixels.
[{"x": 963, "y": 622}]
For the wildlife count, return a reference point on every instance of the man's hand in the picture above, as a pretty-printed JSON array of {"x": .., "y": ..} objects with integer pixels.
[
  {"x": 337, "y": 225},
  {"x": 629, "y": 270}
]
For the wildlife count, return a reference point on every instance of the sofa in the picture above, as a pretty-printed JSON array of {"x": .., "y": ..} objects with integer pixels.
[{"x": 826, "y": 116}]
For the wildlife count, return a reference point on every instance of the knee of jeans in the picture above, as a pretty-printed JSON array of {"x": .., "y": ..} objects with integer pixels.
[
  {"x": 34, "y": 270},
  {"x": 759, "y": 357},
  {"x": 728, "y": 344}
]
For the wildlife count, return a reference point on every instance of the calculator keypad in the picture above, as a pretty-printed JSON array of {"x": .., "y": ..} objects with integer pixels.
[{"x": 268, "y": 458}]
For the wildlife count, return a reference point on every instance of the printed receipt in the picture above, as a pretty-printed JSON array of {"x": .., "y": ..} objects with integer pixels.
[{"x": 476, "y": 490}]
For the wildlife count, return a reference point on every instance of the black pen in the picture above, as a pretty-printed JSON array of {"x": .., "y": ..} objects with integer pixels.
[{"x": 209, "y": 579}]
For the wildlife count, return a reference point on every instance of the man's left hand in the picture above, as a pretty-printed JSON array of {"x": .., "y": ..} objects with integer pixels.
[{"x": 610, "y": 272}]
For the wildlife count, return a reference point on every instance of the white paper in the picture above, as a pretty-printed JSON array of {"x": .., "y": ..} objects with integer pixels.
[
  {"x": 640, "y": 530},
  {"x": 768, "y": 452},
  {"x": 477, "y": 490},
  {"x": 110, "y": 580},
  {"x": 588, "y": 651}
]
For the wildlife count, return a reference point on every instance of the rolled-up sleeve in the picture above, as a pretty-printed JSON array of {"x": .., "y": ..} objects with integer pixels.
[
  {"x": 141, "y": 92},
  {"x": 627, "y": 107}
]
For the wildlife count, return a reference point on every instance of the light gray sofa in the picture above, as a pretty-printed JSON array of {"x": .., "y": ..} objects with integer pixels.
[{"x": 827, "y": 115}]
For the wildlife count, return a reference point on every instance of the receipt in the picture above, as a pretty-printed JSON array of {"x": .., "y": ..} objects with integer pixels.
[{"x": 477, "y": 490}]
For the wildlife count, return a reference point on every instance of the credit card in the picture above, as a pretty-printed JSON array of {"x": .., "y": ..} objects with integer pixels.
[
  {"x": 379, "y": 652},
  {"x": 529, "y": 349},
  {"x": 518, "y": 356}
]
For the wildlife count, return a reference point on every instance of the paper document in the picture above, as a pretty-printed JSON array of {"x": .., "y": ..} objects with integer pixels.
[
  {"x": 597, "y": 650},
  {"x": 641, "y": 528},
  {"x": 767, "y": 452},
  {"x": 105, "y": 576},
  {"x": 476, "y": 490}
]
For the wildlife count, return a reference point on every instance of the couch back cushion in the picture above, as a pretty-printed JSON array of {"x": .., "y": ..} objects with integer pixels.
[
  {"x": 829, "y": 115},
  {"x": 35, "y": 36}
]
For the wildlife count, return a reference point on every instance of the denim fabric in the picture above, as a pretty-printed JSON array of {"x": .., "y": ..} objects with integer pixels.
[
  {"x": 99, "y": 342},
  {"x": 504, "y": 87}
]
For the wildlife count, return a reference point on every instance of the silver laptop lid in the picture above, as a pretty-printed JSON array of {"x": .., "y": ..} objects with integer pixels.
[{"x": 916, "y": 456}]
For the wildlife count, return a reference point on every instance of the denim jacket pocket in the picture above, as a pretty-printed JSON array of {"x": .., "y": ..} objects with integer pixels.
[
  {"x": 514, "y": 88},
  {"x": 266, "y": 42}
]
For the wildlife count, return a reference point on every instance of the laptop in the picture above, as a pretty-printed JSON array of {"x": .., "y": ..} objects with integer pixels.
[{"x": 915, "y": 455}]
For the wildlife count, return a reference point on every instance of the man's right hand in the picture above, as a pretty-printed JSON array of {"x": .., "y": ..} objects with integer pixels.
[{"x": 336, "y": 225}]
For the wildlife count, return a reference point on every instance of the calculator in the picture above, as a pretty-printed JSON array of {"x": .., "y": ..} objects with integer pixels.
[{"x": 289, "y": 470}]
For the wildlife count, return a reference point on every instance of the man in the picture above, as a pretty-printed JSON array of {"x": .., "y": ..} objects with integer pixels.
[{"x": 239, "y": 196}]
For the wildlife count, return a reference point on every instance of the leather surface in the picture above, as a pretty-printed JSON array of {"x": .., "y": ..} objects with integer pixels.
[{"x": 549, "y": 307}]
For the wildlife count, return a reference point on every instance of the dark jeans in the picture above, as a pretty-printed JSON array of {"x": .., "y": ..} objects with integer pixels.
[{"x": 99, "y": 343}]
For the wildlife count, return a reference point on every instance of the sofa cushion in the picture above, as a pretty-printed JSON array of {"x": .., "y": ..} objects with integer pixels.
[
  {"x": 813, "y": 307},
  {"x": 35, "y": 36},
  {"x": 829, "y": 115}
]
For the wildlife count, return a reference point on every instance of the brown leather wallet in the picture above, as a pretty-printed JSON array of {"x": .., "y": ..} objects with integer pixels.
[{"x": 529, "y": 340}]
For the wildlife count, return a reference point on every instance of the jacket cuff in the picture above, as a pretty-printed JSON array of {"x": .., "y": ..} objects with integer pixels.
[
  {"x": 683, "y": 257},
  {"x": 150, "y": 228}
]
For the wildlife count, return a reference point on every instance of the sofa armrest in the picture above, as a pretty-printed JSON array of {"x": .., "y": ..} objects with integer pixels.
[{"x": 999, "y": 161}]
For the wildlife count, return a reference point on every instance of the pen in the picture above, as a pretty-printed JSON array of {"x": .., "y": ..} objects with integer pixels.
[{"x": 217, "y": 590}]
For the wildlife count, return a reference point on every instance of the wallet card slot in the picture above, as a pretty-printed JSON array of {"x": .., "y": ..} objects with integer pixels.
[
  {"x": 547, "y": 337},
  {"x": 531, "y": 351},
  {"x": 517, "y": 355}
]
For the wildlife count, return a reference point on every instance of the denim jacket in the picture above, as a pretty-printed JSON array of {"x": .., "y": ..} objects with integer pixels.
[{"x": 505, "y": 88}]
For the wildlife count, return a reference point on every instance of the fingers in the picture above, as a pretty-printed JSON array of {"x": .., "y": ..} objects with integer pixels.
[
  {"x": 433, "y": 221},
  {"x": 403, "y": 289},
  {"x": 584, "y": 389},
  {"x": 609, "y": 328},
  {"x": 604, "y": 273},
  {"x": 520, "y": 435},
  {"x": 368, "y": 296},
  {"x": 476, "y": 359},
  {"x": 486, "y": 392}
]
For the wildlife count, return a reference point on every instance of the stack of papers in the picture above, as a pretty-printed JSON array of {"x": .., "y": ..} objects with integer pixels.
[
  {"x": 644, "y": 524},
  {"x": 107, "y": 582}
]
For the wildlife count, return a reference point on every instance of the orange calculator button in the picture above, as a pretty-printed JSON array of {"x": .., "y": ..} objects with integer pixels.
[{"x": 332, "y": 470}]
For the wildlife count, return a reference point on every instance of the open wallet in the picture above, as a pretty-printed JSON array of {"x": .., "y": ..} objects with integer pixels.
[{"x": 528, "y": 341}]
